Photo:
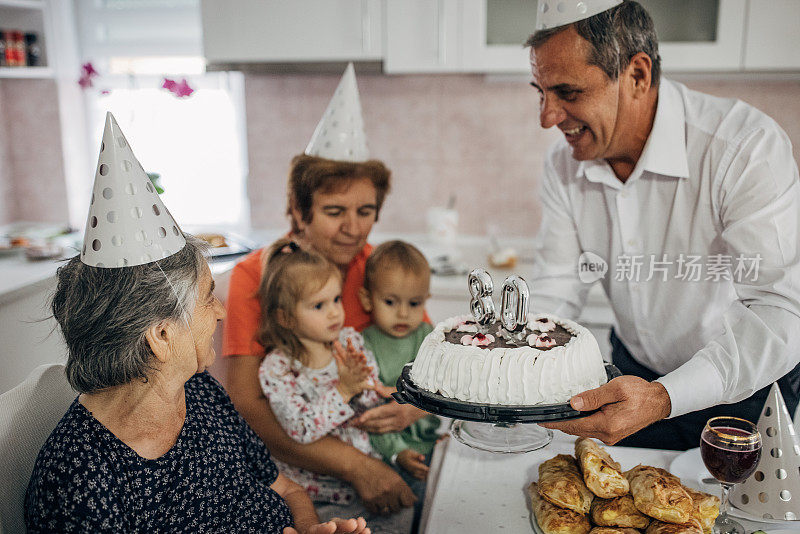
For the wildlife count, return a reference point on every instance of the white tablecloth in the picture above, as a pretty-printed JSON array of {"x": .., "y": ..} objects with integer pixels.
[{"x": 471, "y": 491}]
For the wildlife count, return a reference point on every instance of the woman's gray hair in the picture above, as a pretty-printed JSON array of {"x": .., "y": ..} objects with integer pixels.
[
  {"x": 105, "y": 313},
  {"x": 615, "y": 36}
]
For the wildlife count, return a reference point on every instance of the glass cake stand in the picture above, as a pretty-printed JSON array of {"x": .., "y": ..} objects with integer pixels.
[{"x": 491, "y": 427}]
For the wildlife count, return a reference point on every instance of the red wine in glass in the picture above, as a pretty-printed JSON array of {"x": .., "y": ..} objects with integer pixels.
[
  {"x": 731, "y": 449},
  {"x": 728, "y": 462}
]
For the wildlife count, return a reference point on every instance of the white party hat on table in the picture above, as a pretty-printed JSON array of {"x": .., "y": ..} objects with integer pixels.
[
  {"x": 340, "y": 132},
  {"x": 773, "y": 492},
  {"x": 128, "y": 224},
  {"x": 553, "y": 13}
]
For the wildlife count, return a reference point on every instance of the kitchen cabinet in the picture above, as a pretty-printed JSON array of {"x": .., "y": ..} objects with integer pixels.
[
  {"x": 453, "y": 35},
  {"x": 699, "y": 35},
  {"x": 693, "y": 34},
  {"x": 773, "y": 37},
  {"x": 483, "y": 36},
  {"x": 493, "y": 33},
  {"x": 28, "y": 16},
  {"x": 259, "y": 31},
  {"x": 487, "y": 35},
  {"x": 422, "y": 36},
  {"x": 28, "y": 332}
]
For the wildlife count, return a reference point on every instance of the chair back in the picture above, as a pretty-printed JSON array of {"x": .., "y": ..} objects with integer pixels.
[{"x": 28, "y": 414}]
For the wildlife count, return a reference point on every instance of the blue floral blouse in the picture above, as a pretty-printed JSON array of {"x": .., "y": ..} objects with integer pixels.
[{"x": 215, "y": 478}]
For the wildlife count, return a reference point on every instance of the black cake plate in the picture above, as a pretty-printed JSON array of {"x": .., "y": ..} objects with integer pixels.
[{"x": 410, "y": 393}]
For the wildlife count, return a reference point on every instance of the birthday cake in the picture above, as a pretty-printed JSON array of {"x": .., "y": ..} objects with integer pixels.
[{"x": 553, "y": 360}]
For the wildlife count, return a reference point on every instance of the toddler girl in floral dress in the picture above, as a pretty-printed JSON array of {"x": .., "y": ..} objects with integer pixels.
[{"x": 316, "y": 375}]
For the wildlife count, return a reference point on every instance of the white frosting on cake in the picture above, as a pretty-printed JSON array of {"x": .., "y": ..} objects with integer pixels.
[{"x": 519, "y": 375}]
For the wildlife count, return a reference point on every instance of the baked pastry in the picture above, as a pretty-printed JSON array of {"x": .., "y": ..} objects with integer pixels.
[
  {"x": 659, "y": 527},
  {"x": 214, "y": 240},
  {"x": 705, "y": 508},
  {"x": 559, "y": 359},
  {"x": 555, "y": 520},
  {"x": 659, "y": 494},
  {"x": 561, "y": 483},
  {"x": 618, "y": 512},
  {"x": 614, "y": 530},
  {"x": 503, "y": 259},
  {"x": 602, "y": 474}
]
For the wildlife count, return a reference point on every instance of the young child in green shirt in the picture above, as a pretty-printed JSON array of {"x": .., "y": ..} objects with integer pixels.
[{"x": 396, "y": 286}]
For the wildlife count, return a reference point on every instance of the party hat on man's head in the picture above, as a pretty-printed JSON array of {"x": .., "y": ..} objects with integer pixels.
[
  {"x": 773, "y": 491},
  {"x": 554, "y": 13},
  {"x": 128, "y": 224},
  {"x": 340, "y": 132}
]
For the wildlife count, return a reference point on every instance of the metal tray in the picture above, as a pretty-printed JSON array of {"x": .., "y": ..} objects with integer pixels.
[{"x": 410, "y": 393}]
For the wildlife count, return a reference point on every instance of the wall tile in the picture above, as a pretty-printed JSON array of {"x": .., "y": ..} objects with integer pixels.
[
  {"x": 7, "y": 201},
  {"x": 444, "y": 134},
  {"x": 33, "y": 142},
  {"x": 474, "y": 136}
]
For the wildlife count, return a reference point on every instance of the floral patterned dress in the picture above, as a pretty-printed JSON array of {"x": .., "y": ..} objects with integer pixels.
[
  {"x": 215, "y": 478},
  {"x": 309, "y": 407}
]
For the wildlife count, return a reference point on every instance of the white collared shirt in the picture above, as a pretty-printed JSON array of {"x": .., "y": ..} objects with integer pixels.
[{"x": 716, "y": 186}]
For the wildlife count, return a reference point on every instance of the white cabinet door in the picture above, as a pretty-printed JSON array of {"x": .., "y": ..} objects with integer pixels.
[
  {"x": 721, "y": 52},
  {"x": 481, "y": 51},
  {"x": 773, "y": 36},
  {"x": 296, "y": 30},
  {"x": 422, "y": 36},
  {"x": 694, "y": 35}
]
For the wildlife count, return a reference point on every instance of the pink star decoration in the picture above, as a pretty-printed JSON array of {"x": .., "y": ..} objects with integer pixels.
[
  {"x": 180, "y": 89},
  {"x": 87, "y": 73}
]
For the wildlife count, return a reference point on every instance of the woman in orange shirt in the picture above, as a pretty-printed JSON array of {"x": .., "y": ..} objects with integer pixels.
[{"x": 332, "y": 206}]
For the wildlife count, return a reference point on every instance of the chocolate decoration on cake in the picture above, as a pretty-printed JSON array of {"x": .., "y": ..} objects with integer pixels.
[{"x": 559, "y": 334}]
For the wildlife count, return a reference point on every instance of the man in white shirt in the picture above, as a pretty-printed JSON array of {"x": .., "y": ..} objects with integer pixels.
[{"x": 693, "y": 202}]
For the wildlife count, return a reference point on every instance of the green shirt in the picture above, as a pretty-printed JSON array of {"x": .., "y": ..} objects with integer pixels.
[{"x": 392, "y": 353}]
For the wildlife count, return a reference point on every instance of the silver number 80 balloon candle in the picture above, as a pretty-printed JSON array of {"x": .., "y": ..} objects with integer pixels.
[
  {"x": 481, "y": 305},
  {"x": 514, "y": 304}
]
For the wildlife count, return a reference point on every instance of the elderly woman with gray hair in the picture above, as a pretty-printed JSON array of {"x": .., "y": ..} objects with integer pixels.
[{"x": 153, "y": 443}]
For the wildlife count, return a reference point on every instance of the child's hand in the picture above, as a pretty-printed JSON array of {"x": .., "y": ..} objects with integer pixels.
[
  {"x": 354, "y": 373},
  {"x": 383, "y": 391},
  {"x": 335, "y": 526},
  {"x": 414, "y": 463}
]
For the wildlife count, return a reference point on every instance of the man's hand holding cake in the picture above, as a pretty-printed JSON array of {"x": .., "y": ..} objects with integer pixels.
[{"x": 625, "y": 405}]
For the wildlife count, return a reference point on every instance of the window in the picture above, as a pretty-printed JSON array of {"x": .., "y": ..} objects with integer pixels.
[{"x": 197, "y": 143}]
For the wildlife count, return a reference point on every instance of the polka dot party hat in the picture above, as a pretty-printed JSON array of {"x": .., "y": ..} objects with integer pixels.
[
  {"x": 128, "y": 224},
  {"x": 340, "y": 132},
  {"x": 553, "y": 13},
  {"x": 773, "y": 490}
]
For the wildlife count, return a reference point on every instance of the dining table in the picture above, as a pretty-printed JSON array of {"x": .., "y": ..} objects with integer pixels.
[{"x": 475, "y": 491}]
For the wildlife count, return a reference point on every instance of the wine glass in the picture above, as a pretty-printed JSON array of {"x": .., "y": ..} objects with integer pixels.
[{"x": 731, "y": 449}]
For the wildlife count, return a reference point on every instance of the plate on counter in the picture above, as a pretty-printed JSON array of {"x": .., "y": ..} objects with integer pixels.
[
  {"x": 226, "y": 245},
  {"x": 7, "y": 250},
  {"x": 689, "y": 467}
]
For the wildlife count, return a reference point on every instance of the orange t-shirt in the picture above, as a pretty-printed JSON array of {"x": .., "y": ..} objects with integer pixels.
[{"x": 244, "y": 310}]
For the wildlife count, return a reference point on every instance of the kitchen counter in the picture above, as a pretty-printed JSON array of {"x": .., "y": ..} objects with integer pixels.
[
  {"x": 19, "y": 276},
  {"x": 28, "y": 334},
  {"x": 29, "y": 338}
]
